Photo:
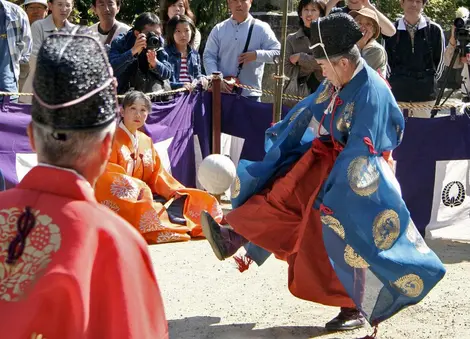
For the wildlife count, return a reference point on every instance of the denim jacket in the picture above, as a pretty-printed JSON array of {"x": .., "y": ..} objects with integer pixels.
[
  {"x": 125, "y": 64},
  {"x": 193, "y": 64}
]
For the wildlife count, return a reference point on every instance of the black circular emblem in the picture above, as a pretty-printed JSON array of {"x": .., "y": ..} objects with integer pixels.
[{"x": 456, "y": 199}]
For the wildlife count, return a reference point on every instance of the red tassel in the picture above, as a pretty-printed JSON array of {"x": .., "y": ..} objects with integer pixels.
[
  {"x": 373, "y": 335},
  {"x": 370, "y": 145},
  {"x": 243, "y": 262},
  {"x": 326, "y": 210}
]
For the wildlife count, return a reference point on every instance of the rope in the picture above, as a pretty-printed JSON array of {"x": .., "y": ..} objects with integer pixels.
[
  {"x": 151, "y": 94},
  {"x": 266, "y": 92},
  {"x": 402, "y": 105}
]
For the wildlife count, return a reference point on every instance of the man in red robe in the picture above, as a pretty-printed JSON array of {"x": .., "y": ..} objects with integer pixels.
[{"x": 70, "y": 267}]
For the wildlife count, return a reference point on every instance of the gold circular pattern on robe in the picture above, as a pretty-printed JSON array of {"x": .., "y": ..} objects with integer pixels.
[
  {"x": 325, "y": 94},
  {"x": 353, "y": 259},
  {"x": 296, "y": 113},
  {"x": 236, "y": 188},
  {"x": 343, "y": 124},
  {"x": 363, "y": 176},
  {"x": 416, "y": 239},
  {"x": 334, "y": 224},
  {"x": 386, "y": 229},
  {"x": 410, "y": 285}
]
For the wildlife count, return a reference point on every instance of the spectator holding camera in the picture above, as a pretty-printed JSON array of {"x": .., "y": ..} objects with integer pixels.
[
  {"x": 185, "y": 61},
  {"x": 463, "y": 14},
  {"x": 139, "y": 59}
]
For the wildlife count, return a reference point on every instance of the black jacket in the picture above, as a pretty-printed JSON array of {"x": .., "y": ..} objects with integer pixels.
[
  {"x": 414, "y": 73},
  {"x": 125, "y": 64}
]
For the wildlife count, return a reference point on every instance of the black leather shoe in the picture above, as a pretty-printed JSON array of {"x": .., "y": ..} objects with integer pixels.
[
  {"x": 348, "y": 319},
  {"x": 224, "y": 241}
]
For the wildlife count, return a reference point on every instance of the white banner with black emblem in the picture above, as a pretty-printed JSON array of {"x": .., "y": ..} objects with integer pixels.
[{"x": 450, "y": 216}]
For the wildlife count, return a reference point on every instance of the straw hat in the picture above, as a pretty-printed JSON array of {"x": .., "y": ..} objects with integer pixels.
[{"x": 368, "y": 13}]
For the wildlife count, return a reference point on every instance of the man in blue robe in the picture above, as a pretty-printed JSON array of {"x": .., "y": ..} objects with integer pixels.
[{"x": 324, "y": 198}]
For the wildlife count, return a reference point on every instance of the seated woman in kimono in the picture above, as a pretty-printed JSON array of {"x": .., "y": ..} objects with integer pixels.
[{"x": 137, "y": 187}]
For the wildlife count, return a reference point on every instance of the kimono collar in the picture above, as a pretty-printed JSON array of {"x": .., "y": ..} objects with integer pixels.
[
  {"x": 65, "y": 169},
  {"x": 359, "y": 67},
  {"x": 134, "y": 138},
  {"x": 359, "y": 77},
  {"x": 340, "y": 91}
]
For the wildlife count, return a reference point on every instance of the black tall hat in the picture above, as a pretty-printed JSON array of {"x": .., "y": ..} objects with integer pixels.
[
  {"x": 74, "y": 87},
  {"x": 339, "y": 33}
]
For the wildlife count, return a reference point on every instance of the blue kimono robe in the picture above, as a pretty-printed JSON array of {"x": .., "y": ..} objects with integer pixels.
[{"x": 374, "y": 247}]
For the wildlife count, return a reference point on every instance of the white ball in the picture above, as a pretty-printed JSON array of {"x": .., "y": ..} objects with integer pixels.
[{"x": 216, "y": 173}]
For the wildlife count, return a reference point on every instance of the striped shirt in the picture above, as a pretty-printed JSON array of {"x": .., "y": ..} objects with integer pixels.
[{"x": 184, "y": 75}]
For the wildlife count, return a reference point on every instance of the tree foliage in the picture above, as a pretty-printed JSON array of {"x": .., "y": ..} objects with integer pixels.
[
  {"x": 440, "y": 11},
  {"x": 210, "y": 12},
  {"x": 130, "y": 9}
]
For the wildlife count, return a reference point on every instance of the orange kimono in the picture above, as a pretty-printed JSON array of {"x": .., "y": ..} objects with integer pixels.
[
  {"x": 85, "y": 273},
  {"x": 133, "y": 175}
]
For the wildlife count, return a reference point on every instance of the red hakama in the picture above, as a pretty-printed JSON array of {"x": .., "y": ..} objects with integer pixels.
[{"x": 282, "y": 220}]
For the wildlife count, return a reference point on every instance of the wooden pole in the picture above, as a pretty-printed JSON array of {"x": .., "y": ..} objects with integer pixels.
[
  {"x": 216, "y": 112},
  {"x": 280, "y": 67}
]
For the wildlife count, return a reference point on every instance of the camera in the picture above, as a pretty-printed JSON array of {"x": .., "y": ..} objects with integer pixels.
[
  {"x": 153, "y": 41},
  {"x": 462, "y": 30}
]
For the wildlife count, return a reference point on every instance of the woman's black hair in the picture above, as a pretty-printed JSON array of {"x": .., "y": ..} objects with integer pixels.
[
  {"x": 166, "y": 5},
  {"x": 145, "y": 19},
  {"x": 171, "y": 28},
  {"x": 320, "y": 4}
]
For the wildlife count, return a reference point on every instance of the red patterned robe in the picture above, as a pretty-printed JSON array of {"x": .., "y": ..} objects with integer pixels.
[{"x": 84, "y": 272}]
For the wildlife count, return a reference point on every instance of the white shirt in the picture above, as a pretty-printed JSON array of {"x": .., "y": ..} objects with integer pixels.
[
  {"x": 121, "y": 28},
  {"x": 40, "y": 30},
  {"x": 227, "y": 41}
]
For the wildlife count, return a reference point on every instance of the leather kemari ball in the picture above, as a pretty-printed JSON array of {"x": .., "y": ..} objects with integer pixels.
[{"x": 216, "y": 173}]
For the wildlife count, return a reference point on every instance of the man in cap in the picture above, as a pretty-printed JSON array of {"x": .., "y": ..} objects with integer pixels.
[
  {"x": 332, "y": 208},
  {"x": 70, "y": 267},
  {"x": 15, "y": 45},
  {"x": 36, "y": 10}
]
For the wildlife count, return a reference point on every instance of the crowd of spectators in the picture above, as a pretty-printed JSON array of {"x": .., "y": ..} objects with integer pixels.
[{"x": 161, "y": 52}]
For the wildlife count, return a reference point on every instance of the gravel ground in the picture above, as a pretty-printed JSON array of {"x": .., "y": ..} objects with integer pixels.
[{"x": 206, "y": 298}]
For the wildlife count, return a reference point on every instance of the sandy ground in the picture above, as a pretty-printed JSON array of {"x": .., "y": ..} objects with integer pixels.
[{"x": 206, "y": 298}]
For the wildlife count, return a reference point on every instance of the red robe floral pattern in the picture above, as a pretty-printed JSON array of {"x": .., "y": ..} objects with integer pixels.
[{"x": 84, "y": 272}]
